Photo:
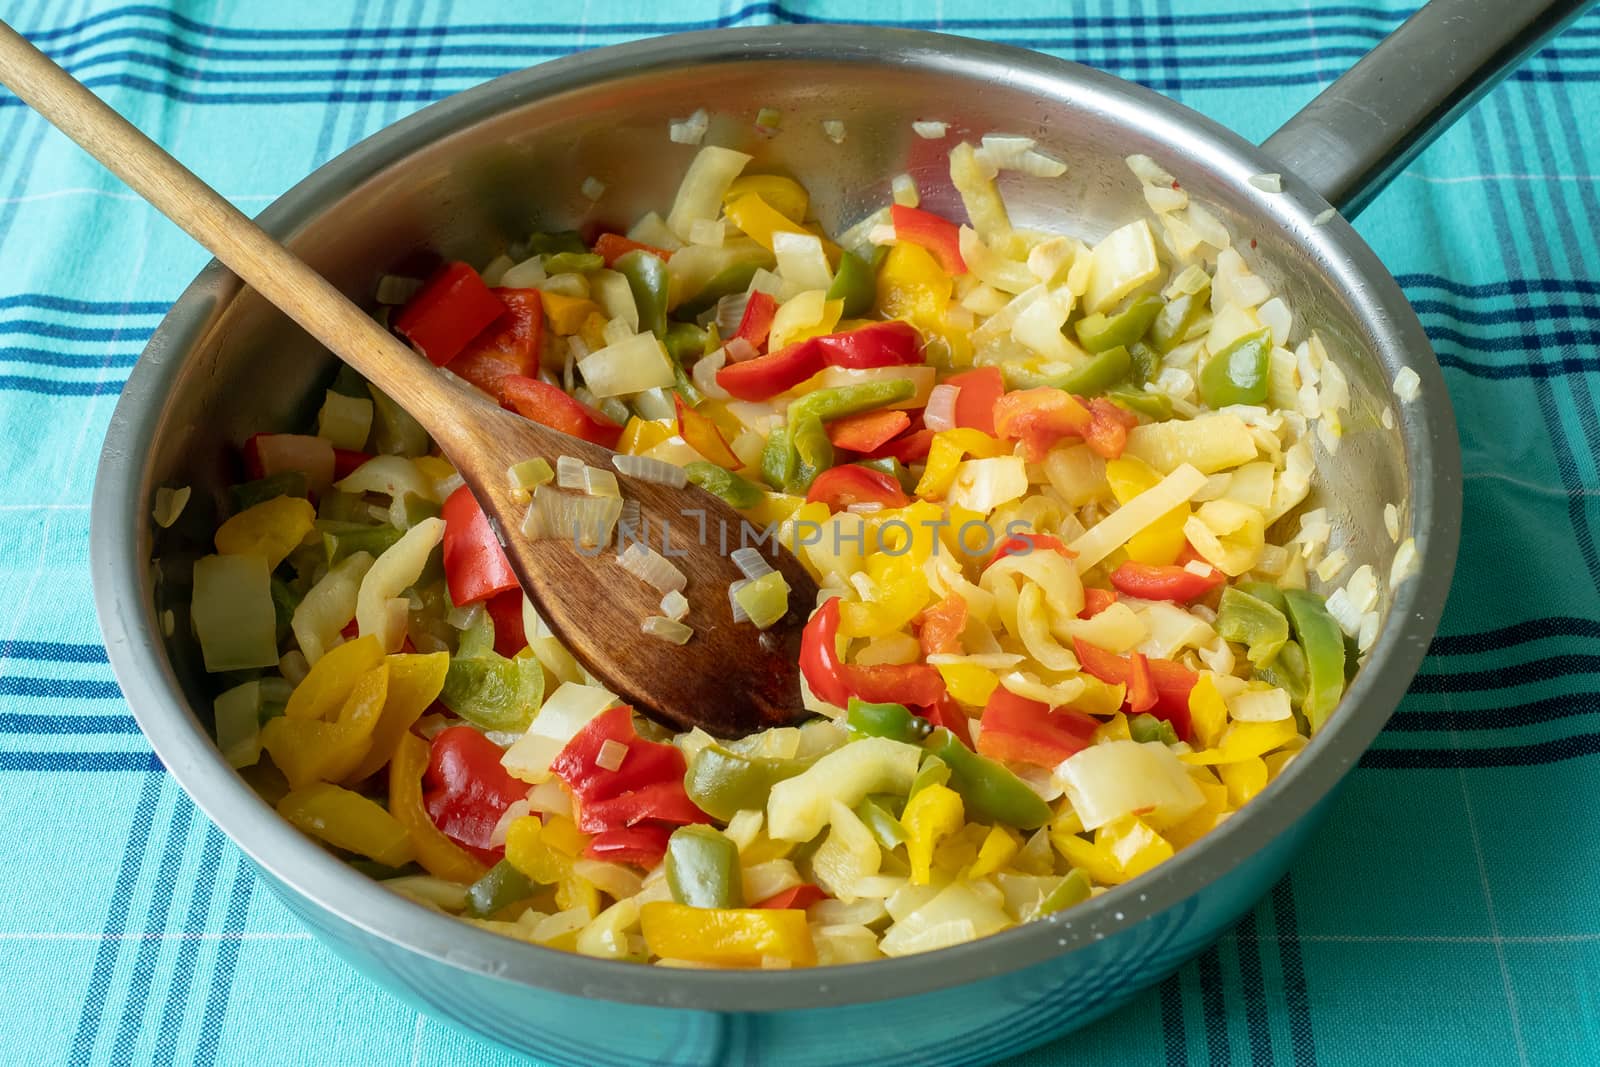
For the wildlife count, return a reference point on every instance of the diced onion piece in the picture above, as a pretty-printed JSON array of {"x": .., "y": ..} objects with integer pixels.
[
  {"x": 708, "y": 232},
  {"x": 691, "y": 130},
  {"x": 1407, "y": 384},
  {"x": 1260, "y": 705},
  {"x": 169, "y": 504},
  {"x": 904, "y": 191},
  {"x": 1324, "y": 217},
  {"x": 652, "y": 568},
  {"x": 704, "y": 185},
  {"x": 517, "y": 809},
  {"x": 751, "y": 563},
  {"x": 675, "y": 605},
  {"x": 834, "y": 130},
  {"x": 1209, "y": 443},
  {"x": 1116, "y": 778},
  {"x": 1391, "y": 522},
  {"x": 940, "y": 413},
  {"x": 739, "y": 614},
  {"x": 801, "y": 261},
  {"x": 592, "y": 188},
  {"x": 1368, "y": 632},
  {"x": 345, "y": 421},
  {"x": 1037, "y": 164},
  {"x": 394, "y": 289},
  {"x": 1113, "y": 531},
  {"x": 929, "y": 130},
  {"x": 1267, "y": 183},
  {"x": 646, "y": 469},
  {"x": 1405, "y": 562},
  {"x": 597, "y": 482},
  {"x": 1148, "y": 170},
  {"x": 1330, "y": 567},
  {"x": 237, "y": 714},
  {"x": 616, "y": 331},
  {"x": 611, "y": 754},
  {"x": 587, "y": 520},
  {"x": 1346, "y": 614},
  {"x": 1124, "y": 260},
  {"x": 765, "y": 599},
  {"x": 562, "y": 715},
  {"x": 738, "y": 349},
  {"x": 529, "y": 474},
  {"x": 667, "y": 629},
  {"x": 1362, "y": 588},
  {"x": 1004, "y": 151},
  {"x": 630, "y": 366},
  {"x": 400, "y": 566},
  {"x": 768, "y": 119},
  {"x": 982, "y": 485},
  {"x": 525, "y": 275},
  {"x": 569, "y": 472}
]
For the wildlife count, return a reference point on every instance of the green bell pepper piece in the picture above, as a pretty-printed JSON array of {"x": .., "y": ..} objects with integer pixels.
[
  {"x": 829, "y": 404},
  {"x": 502, "y": 887},
  {"x": 1099, "y": 374},
  {"x": 685, "y": 342},
  {"x": 1100, "y": 332},
  {"x": 813, "y": 452},
  {"x": 885, "y": 827},
  {"x": 343, "y": 539},
  {"x": 1146, "y": 363},
  {"x": 284, "y": 483},
  {"x": 777, "y": 459},
  {"x": 549, "y": 244},
  {"x": 722, "y": 783},
  {"x": 893, "y": 468},
  {"x": 1265, "y": 591},
  {"x": 933, "y": 771},
  {"x": 349, "y": 382},
  {"x": 856, "y": 283},
  {"x": 394, "y": 431},
  {"x": 723, "y": 483},
  {"x": 1237, "y": 374},
  {"x": 1157, "y": 406},
  {"x": 350, "y": 509},
  {"x": 727, "y": 281},
  {"x": 1254, "y": 623},
  {"x": 647, "y": 278},
  {"x": 1323, "y": 642},
  {"x": 573, "y": 262},
  {"x": 1177, "y": 318},
  {"x": 893, "y": 721},
  {"x": 991, "y": 793},
  {"x": 1288, "y": 672},
  {"x": 1073, "y": 889},
  {"x": 488, "y": 690},
  {"x": 1145, "y": 727},
  {"x": 284, "y": 601},
  {"x": 703, "y": 868}
]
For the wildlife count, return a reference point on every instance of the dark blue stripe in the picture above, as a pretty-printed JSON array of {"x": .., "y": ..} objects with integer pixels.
[
  {"x": 39, "y": 357},
  {"x": 53, "y": 651},
  {"x": 1413, "y": 759},
  {"x": 19, "y": 383},
  {"x": 49, "y": 302},
  {"x": 81, "y": 762},
  {"x": 183, "y": 970},
  {"x": 136, "y": 996},
  {"x": 66, "y": 725},
  {"x": 1508, "y": 287},
  {"x": 65, "y": 688},
  {"x": 1520, "y": 633},
  {"x": 1214, "y": 1008},
  {"x": 1292, "y": 970},
  {"x": 1537, "y": 670},
  {"x": 105, "y": 956},
  {"x": 1503, "y": 717},
  {"x": 1174, "y": 1041},
  {"x": 63, "y": 331},
  {"x": 216, "y": 1008},
  {"x": 1499, "y": 315},
  {"x": 1556, "y": 368},
  {"x": 1252, "y": 988}
]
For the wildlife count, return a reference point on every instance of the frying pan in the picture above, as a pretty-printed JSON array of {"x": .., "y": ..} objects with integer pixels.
[{"x": 466, "y": 175}]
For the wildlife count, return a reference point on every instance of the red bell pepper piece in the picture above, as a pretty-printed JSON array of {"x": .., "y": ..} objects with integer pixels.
[
  {"x": 642, "y": 845},
  {"x": 909, "y": 447},
  {"x": 505, "y": 609},
  {"x": 475, "y": 566},
  {"x": 835, "y": 681},
  {"x": 1141, "y": 684},
  {"x": 647, "y": 784},
  {"x": 465, "y": 788},
  {"x": 882, "y": 344},
  {"x": 799, "y": 897},
  {"x": 1020, "y": 544},
  {"x": 867, "y": 431},
  {"x": 1108, "y": 428},
  {"x": 980, "y": 388},
  {"x": 345, "y": 461},
  {"x": 612, "y": 246},
  {"x": 949, "y": 714},
  {"x": 1095, "y": 601},
  {"x": 704, "y": 437},
  {"x": 1150, "y": 582},
  {"x": 547, "y": 404},
  {"x": 511, "y": 345},
  {"x": 1019, "y": 730},
  {"x": 939, "y": 236},
  {"x": 839, "y": 487},
  {"x": 1172, "y": 681},
  {"x": 1041, "y": 417},
  {"x": 662, "y": 802},
  {"x": 766, "y": 376},
  {"x": 756, "y": 322},
  {"x": 450, "y": 310},
  {"x": 942, "y": 625}
]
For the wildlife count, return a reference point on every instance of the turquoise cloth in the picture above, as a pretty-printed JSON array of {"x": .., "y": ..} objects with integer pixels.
[{"x": 1447, "y": 912}]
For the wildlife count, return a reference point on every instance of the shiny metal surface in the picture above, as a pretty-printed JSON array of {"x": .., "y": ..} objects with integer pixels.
[{"x": 472, "y": 172}]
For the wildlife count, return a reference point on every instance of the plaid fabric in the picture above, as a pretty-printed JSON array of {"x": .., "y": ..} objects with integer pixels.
[{"x": 1442, "y": 915}]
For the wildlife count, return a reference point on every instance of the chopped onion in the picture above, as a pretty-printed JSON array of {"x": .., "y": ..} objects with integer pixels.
[
  {"x": 982, "y": 485},
  {"x": 1324, "y": 217},
  {"x": 1260, "y": 705},
  {"x": 597, "y": 482},
  {"x": 801, "y": 261},
  {"x": 169, "y": 505},
  {"x": 1036, "y": 164},
  {"x": 768, "y": 119},
  {"x": 765, "y": 599},
  {"x": 834, "y": 130},
  {"x": 1004, "y": 151},
  {"x": 237, "y": 715},
  {"x": 587, "y": 520},
  {"x": 708, "y": 232},
  {"x": 751, "y": 563},
  {"x": 629, "y": 522},
  {"x": 631, "y": 366},
  {"x": 1149, "y": 171},
  {"x": 675, "y": 606},
  {"x": 611, "y": 754},
  {"x": 1391, "y": 522},
  {"x": 1345, "y": 613},
  {"x": 292, "y": 665},
  {"x": 464, "y": 618},
  {"x": 1368, "y": 632},
  {"x": 930, "y": 131},
  {"x": 739, "y": 349},
  {"x": 857, "y": 236},
  {"x": 646, "y": 469},
  {"x": 667, "y": 629},
  {"x": 1407, "y": 384},
  {"x": 940, "y": 413},
  {"x": 1113, "y": 531},
  {"x": 517, "y": 809},
  {"x": 703, "y": 187},
  {"x": 529, "y": 474},
  {"x": 525, "y": 275},
  {"x": 739, "y": 614},
  {"x": 704, "y": 374},
  {"x": 691, "y": 130},
  {"x": 1405, "y": 562},
  {"x": 904, "y": 191},
  {"x": 592, "y": 188},
  {"x": 1330, "y": 567},
  {"x": 652, "y": 568},
  {"x": 1267, "y": 183},
  {"x": 730, "y": 313},
  {"x": 562, "y": 715},
  {"x": 394, "y": 289},
  {"x": 1109, "y": 780},
  {"x": 569, "y": 472}
]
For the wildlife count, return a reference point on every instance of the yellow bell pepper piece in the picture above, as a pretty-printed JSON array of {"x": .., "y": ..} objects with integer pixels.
[
  {"x": 1094, "y": 860},
  {"x": 1132, "y": 845},
  {"x": 1244, "y": 779},
  {"x": 414, "y": 684},
  {"x": 946, "y": 453},
  {"x": 759, "y": 219},
  {"x": 439, "y": 856},
  {"x": 774, "y": 508},
  {"x": 933, "y": 813},
  {"x": 785, "y": 195},
  {"x": 641, "y": 435},
  {"x": 566, "y": 314},
  {"x": 535, "y": 858},
  {"x": 563, "y": 835},
  {"x": 1160, "y": 543},
  {"x": 272, "y": 528},
  {"x": 1208, "y": 712},
  {"x": 575, "y": 891},
  {"x": 349, "y": 821},
  {"x": 323, "y": 691},
  {"x": 311, "y": 750},
  {"x": 998, "y": 847},
  {"x": 968, "y": 683},
  {"x": 1202, "y": 821},
  {"x": 728, "y": 937},
  {"x": 433, "y": 468},
  {"x": 912, "y": 285},
  {"x": 1244, "y": 740},
  {"x": 902, "y": 592},
  {"x": 593, "y": 331},
  {"x": 1099, "y": 698},
  {"x": 1113, "y": 729}
]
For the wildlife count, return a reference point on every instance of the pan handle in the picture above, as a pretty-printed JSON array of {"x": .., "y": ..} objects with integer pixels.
[{"x": 1367, "y": 127}]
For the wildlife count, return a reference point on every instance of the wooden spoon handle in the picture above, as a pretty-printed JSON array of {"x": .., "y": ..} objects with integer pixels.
[{"x": 275, "y": 272}]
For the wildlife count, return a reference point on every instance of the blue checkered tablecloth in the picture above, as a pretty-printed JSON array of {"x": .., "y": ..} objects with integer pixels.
[{"x": 1447, "y": 912}]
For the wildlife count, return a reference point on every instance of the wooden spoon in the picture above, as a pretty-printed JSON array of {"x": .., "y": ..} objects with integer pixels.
[{"x": 729, "y": 679}]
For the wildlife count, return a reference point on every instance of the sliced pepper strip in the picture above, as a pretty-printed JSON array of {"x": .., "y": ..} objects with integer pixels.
[
  {"x": 980, "y": 388},
  {"x": 450, "y": 310},
  {"x": 475, "y": 566},
  {"x": 730, "y": 937},
  {"x": 942, "y": 625},
  {"x": 510, "y": 345},
  {"x": 868, "y": 431},
  {"x": 1019, "y": 730},
  {"x": 939, "y": 236},
  {"x": 766, "y": 376},
  {"x": 439, "y": 856},
  {"x": 1149, "y": 582},
  {"x": 839, "y": 487},
  {"x": 612, "y": 246},
  {"x": 704, "y": 437},
  {"x": 1172, "y": 681},
  {"x": 835, "y": 681},
  {"x": 756, "y": 322},
  {"x": 550, "y": 405}
]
